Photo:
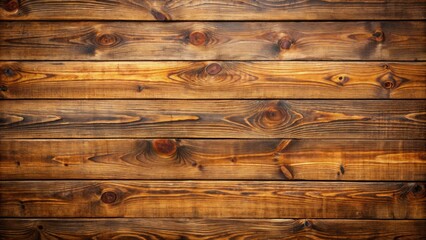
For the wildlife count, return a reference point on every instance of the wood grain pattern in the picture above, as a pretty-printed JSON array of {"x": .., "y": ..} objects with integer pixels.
[
  {"x": 213, "y": 41},
  {"x": 214, "y": 159},
  {"x": 390, "y": 119},
  {"x": 212, "y": 10},
  {"x": 189, "y": 229},
  {"x": 208, "y": 199},
  {"x": 213, "y": 80}
]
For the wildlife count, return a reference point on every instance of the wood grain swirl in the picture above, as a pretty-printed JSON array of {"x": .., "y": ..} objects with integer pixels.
[
  {"x": 280, "y": 159},
  {"x": 162, "y": 10},
  {"x": 390, "y": 119},
  {"x": 189, "y": 229},
  {"x": 208, "y": 199},
  {"x": 213, "y": 80},
  {"x": 213, "y": 41}
]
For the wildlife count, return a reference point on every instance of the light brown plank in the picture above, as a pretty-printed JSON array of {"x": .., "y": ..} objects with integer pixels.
[
  {"x": 215, "y": 80},
  {"x": 212, "y": 10},
  {"x": 214, "y": 159},
  {"x": 390, "y": 119},
  {"x": 213, "y": 199},
  {"x": 191, "y": 229},
  {"x": 213, "y": 41}
]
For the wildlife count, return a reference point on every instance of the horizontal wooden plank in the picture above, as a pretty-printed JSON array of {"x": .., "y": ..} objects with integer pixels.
[
  {"x": 213, "y": 41},
  {"x": 214, "y": 80},
  {"x": 389, "y": 119},
  {"x": 178, "y": 229},
  {"x": 214, "y": 159},
  {"x": 212, "y": 10},
  {"x": 213, "y": 199}
]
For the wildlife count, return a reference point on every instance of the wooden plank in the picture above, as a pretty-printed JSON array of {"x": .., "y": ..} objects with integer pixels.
[
  {"x": 213, "y": 41},
  {"x": 213, "y": 199},
  {"x": 178, "y": 229},
  {"x": 214, "y": 159},
  {"x": 212, "y": 10},
  {"x": 390, "y": 119},
  {"x": 214, "y": 80}
]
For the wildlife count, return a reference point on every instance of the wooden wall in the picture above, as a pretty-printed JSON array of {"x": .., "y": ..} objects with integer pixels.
[{"x": 212, "y": 119}]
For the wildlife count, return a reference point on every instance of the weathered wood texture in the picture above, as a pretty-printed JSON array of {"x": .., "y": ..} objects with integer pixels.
[
  {"x": 213, "y": 199},
  {"x": 213, "y": 41},
  {"x": 215, "y": 80},
  {"x": 213, "y": 159},
  {"x": 212, "y": 10},
  {"x": 192, "y": 229},
  {"x": 391, "y": 119}
]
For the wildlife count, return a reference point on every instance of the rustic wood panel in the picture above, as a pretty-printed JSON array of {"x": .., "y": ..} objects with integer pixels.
[
  {"x": 213, "y": 159},
  {"x": 216, "y": 80},
  {"x": 215, "y": 199},
  {"x": 191, "y": 229},
  {"x": 396, "y": 119},
  {"x": 213, "y": 41},
  {"x": 212, "y": 10}
]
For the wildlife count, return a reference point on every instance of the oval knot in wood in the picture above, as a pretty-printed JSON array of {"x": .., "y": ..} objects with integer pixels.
[
  {"x": 197, "y": 38},
  {"x": 379, "y": 36},
  {"x": 158, "y": 15},
  {"x": 285, "y": 43},
  {"x": 109, "y": 197},
  {"x": 273, "y": 116},
  {"x": 213, "y": 69},
  {"x": 164, "y": 147},
  {"x": 106, "y": 40},
  {"x": 11, "y": 6}
]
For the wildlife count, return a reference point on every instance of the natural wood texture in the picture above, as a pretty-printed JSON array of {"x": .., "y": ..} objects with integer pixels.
[
  {"x": 218, "y": 199},
  {"x": 213, "y": 159},
  {"x": 212, "y": 10},
  {"x": 213, "y": 41},
  {"x": 394, "y": 119},
  {"x": 215, "y": 80},
  {"x": 194, "y": 229}
]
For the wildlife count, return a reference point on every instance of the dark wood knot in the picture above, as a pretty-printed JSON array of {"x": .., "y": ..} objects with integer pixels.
[
  {"x": 417, "y": 188},
  {"x": 9, "y": 72},
  {"x": 388, "y": 84},
  {"x": 378, "y": 36},
  {"x": 285, "y": 43},
  {"x": 164, "y": 147},
  {"x": 343, "y": 80},
  {"x": 213, "y": 69},
  {"x": 197, "y": 38},
  {"x": 274, "y": 114},
  {"x": 109, "y": 197},
  {"x": 11, "y": 5},
  {"x": 3, "y": 88},
  {"x": 158, "y": 15},
  {"x": 106, "y": 40}
]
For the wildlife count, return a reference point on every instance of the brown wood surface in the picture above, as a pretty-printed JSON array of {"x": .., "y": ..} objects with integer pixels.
[
  {"x": 214, "y": 80},
  {"x": 192, "y": 229},
  {"x": 213, "y": 199},
  {"x": 212, "y": 10},
  {"x": 213, "y": 41},
  {"x": 280, "y": 159},
  {"x": 390, "y": 119}
]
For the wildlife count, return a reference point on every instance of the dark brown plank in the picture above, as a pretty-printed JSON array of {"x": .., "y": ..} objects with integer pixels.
[
  {"x": 213, "y": 199},
  {"x": 390, "y": 119},
  {"x": 191, "y": 229},
  {"x": 213, "y": 41},
  {"x": 215, "y": 80},
  {"x": 214, "y": 159},
  {"x": 212, "y": 10}
]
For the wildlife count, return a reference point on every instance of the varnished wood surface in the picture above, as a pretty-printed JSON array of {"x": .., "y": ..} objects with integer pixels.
[
  {"x": 162, "y": 10},
  {"x": 194, "y": 229},
  {"x": 213, "y": 199},
  {"x": 214, "y": 80},
  {"x": 390, "y": 119},
  {"x": 390, "y": 40},
  {"x": 280, "y": 159}
]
